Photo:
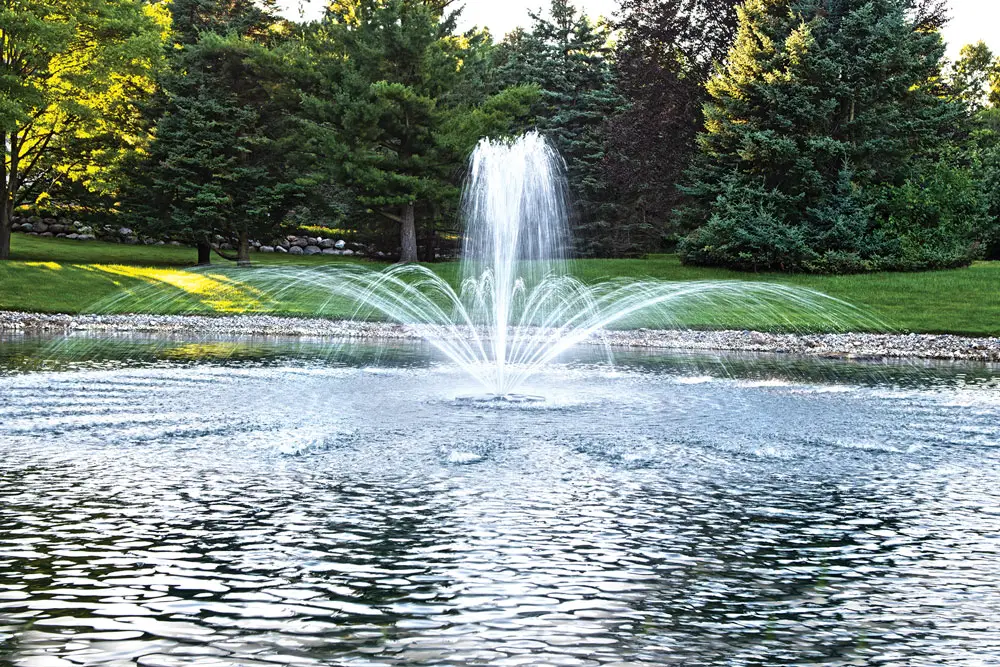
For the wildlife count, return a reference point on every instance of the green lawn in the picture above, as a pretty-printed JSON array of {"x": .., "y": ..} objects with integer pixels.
[{"x": 55, "y": 275}]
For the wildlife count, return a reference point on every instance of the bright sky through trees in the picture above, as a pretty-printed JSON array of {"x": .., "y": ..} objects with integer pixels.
[{"x": 971, "y": 20}]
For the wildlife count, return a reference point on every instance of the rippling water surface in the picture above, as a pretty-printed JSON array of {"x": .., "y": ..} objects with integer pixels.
[{"x": 265, "y": 505}]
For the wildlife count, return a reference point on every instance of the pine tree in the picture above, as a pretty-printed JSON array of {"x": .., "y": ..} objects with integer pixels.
[
  {"x": 568, "y": 57},
  {"x": 226, "y": 158},
  {"x": 405, "y": 110},
  {"x": 822, "y": 100}
]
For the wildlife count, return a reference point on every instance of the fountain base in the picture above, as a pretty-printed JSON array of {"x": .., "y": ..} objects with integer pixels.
[{"x": 501, "y": 399}]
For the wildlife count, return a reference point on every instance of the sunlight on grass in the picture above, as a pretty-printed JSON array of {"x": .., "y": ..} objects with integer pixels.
[
  {"x": 218, "y": 292},
  {"x": 45, "y": 265}
]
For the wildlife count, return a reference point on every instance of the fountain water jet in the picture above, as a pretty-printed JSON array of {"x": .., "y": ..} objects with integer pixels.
[{"x": 517, "y": 306}]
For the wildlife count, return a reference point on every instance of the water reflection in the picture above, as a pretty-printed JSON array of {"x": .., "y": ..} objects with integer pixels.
[{"x": 272, "y": 507}]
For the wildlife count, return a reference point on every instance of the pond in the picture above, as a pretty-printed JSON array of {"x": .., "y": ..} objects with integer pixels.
[{"x": 259, "y": 502}]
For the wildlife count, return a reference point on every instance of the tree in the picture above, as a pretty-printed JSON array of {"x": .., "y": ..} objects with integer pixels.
[
  {"x": 71, "y": 75},
  {"x": 666, "y": 52},
  {"x": 975, "y": 77},
  {"x": 831, "y": 119},
  {"x": 567, "y": 57},
  {"x": 403, "y": 109},
  {"x": 228, "y": 155}
]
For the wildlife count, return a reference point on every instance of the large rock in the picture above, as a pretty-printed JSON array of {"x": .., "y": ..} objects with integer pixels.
[
  {"x": 266, "y": 248},
  {"x": 347, "y": 253},
  {"x": 298, "y": 242},
  {"x": 312, "y": 250},
  {"x": 295, "y": 250},
  {"x": 28, "y": 227},
  {"x": 40, "y": 227},
  {"x": 73, "y": 237},
  {"x": 340, "y": 244},
  {"x": 326, "y": 243},
  {"x": 124, "y": 231},
  {"x": 330, "y": 251},
  {"x": 279, "y": 249},
  {"x": 86, "y": 237}
]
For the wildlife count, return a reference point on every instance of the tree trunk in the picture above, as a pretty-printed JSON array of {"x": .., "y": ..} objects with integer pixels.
[
  {"x": 243, "y": 252},
  {"x": 5, "y": 216},
  {"x": 204, "y": 253},
  {"x": 408, "y": 235}
]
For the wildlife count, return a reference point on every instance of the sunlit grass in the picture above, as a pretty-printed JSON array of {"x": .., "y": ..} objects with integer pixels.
[{"x": 60, "y": 276}]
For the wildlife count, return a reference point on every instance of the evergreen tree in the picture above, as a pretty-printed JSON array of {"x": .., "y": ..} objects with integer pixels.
[
  {"x": 823, "y": 100},
  {"x": 404, "y": 110},
  {"x": 568, "y": 57},
  {"x": 227, "y": 157},
  {"x": 666, "y": 51}
]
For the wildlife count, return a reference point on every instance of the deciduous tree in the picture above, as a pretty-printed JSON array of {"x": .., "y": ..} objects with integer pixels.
[{"x": 72, "y": 73}]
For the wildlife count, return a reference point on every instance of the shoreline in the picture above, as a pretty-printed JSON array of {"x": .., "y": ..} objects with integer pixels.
[{"x": 862, "y": 346}]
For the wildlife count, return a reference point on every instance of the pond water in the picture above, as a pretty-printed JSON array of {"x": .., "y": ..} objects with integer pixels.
[{"x": 227, "y": 502}]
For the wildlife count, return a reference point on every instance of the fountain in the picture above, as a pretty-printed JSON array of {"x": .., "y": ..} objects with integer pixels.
[{"x": 518, "y": 306}]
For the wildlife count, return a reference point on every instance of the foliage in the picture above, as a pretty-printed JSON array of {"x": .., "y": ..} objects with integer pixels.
[
  {"x": 228, "y": 154},
  {"x": 72, "y": 73},
  {"x": 568, "y": 57},
  {"x": 403, "y": 109},
  {"x": 666, "y": 51},
  {"x": 836, "y": 121}
]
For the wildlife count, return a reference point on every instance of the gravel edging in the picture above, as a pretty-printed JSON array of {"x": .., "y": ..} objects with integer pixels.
[{"x": 846, "y": 345}]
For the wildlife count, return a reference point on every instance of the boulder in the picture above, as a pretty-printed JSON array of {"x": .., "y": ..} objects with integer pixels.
[
  {"x": 176, "y": 244},
  {"x": 299, "y": 242},
  {"x": 73, "y": 236},
  {"x": 348, "y": 253},
  {"x": 330, "y": 251},
  {"x": 279, "y": 249},
  {"x": 340, "y": 244},
  {"x": 161, "y": 243},
  {"x": 61, "y": 236},
  {"x": 124, "y": 231},
  {"x": 285, "y": 245},
  {"x": 28, "y": 227},
  {"x": 312, "y": 250},
  {"x": 326, "y": 243},
  {"x": 295, "y": 250},
  {"x": 16, "y": 226},
  {"x": 266, "y": 248},
  {"x": 86, "y": 237},
  {"x": 40, "y": 227},
  {"x": 47, "y": 234}
]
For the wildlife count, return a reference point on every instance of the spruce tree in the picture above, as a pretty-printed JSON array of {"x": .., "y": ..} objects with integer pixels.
[
  {"x": 825, "y": 115},
  {"x": 567, "y": 56}
]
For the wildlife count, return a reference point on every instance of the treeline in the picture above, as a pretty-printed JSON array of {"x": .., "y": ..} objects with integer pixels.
[{"x": 795, "y": 135}]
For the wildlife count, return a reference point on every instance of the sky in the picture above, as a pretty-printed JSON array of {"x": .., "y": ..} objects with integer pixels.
[{"x": 971, "y": 20}]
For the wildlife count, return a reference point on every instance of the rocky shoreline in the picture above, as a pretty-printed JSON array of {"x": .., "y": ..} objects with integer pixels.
[{"x": 843, "y": 345}]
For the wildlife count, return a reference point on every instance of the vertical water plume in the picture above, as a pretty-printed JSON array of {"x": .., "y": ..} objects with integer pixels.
[{"x": 517, "y": 306}]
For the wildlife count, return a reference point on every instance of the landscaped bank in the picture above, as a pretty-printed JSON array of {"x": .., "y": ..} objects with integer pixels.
[
  {"x": 59, "y": 276},
  {"x": 847, "y": 345}
]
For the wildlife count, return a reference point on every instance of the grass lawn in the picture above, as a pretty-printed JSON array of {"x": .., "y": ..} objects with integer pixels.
[{"x": 55, "y": 275}]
